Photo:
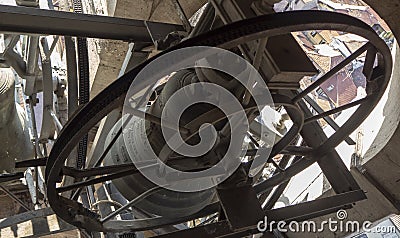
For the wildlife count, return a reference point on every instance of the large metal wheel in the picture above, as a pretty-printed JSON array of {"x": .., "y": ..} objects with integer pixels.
[{"x": 319, "y": 149}]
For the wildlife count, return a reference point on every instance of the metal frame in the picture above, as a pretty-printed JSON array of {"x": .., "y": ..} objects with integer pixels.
[
  {"x": 26, "y": 20},
  {"x": 228, "y": 37},
  {"x": 299, "y": 212}
]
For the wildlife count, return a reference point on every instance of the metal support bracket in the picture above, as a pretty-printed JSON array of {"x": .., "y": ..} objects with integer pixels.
[
  {"x": 298, "y": 212},
  {"x": 26, "y": 20}
]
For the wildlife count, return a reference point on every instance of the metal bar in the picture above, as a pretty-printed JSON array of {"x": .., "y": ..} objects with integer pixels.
[
  {"x": 369, "y": 63},
  {"x": 332, "y": 72},
  {"x": 155, "y": 120},
  {"x": 331, "y": 164},
  {"x": 262, "y": 43},
  {"x": 48, "y": 128},
  {"x": 131, "y": 60},
  {"x": 114, "y": 194},
  {"x": 99, "y": 141},
  {"x": 275, "y": 196},
  {"x": 319, "y": 207},
  {"x": 31, "y": 163},
  {"x": 99, "y": 160},
  {"x": 26, "y": 216},
  {"x": 329, "y": 120},
  {"x": 37, "y": 219},
  {"x": 10, "y": 45},
  {"x": 72, "y": 79},
  {"x": 156, "y": 222},
  {"x": 72, "y": 74},
  {"x": 128, "y": 170},
  {"x": 311, "y": 209},
  {"x": 34, "y": 128},
  {"x": 31, "y": 65},
  {"x": 297, "y": 150},
  {"x": 257, "y": 60},
  {"x": 106, "y": 201},
  {"x": 253, "y": 152},
  {"x": 30, "y": 181},
  {"x": 10, "y": 177},
  {"x": 336, "y": 110},
  {"x": 298, "y": 212},
  {"x": 55, "y": 118},
  {"x": 53, "y": 45},
  {"x": 103, "y": 194},
  {"x": 283, "y": 163},
  {"x": 306, "y": 189},
  {"x": 132, "y": 202},
  {"x": 205, "y": 22},
  {"x": 15, "y": 198},
  {"x": 92, "y": 181},
  {"x": 15, "y": 60},
  {"x": 285, "y": 175},
  {"x": 27, "y": 20},
  {"x": 32, "y": 56},
  {"x": 84, "y": 173},
  {"x": 182, "y": 15}
]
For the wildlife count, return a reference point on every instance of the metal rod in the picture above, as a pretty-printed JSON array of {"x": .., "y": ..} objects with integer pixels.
[
  {"x": 103, "y": 155},
  {"x": 297, "y": 150},
  {"x": 129, "y": 170},
  {"x": 305, "y": 189},
  {"x": 155, "y": 120},
  {"x": 32, "y": 57},
  {"x": 262, "y": 43},
  {"x": 92, "y": 181},
  {"x": 30, "y": 181},
  {"x": 332, "y": 72},
  {"x": 369, "y": 63},
  {"x": 329, "y": 120},
  {"x": 289, "y": 150},
  {"x": 56, "y": 121},
  {"x": 253, "y": 140},
  {"x": 15, "y": 198},
  {"x": 182, "y": 15},
  {"x": 30, "y": 20},
  {"x": 205, "y": 22},
  {"x": 254, "y": 152},
  {"x": 97, "y": 171},
  {"x": 336, "y": 110},
  {"x": 72, "y": 74},
  {"x": 53, "y": 45},
  {"x": 286, "y": 159},
  {"x": 11, "y": 43},
  {"x": 34, "y": 128},
  {"x": 275, "y": 196},
  {"x": 10, "y": 177},
  {"x": 131, "y": 203}
]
